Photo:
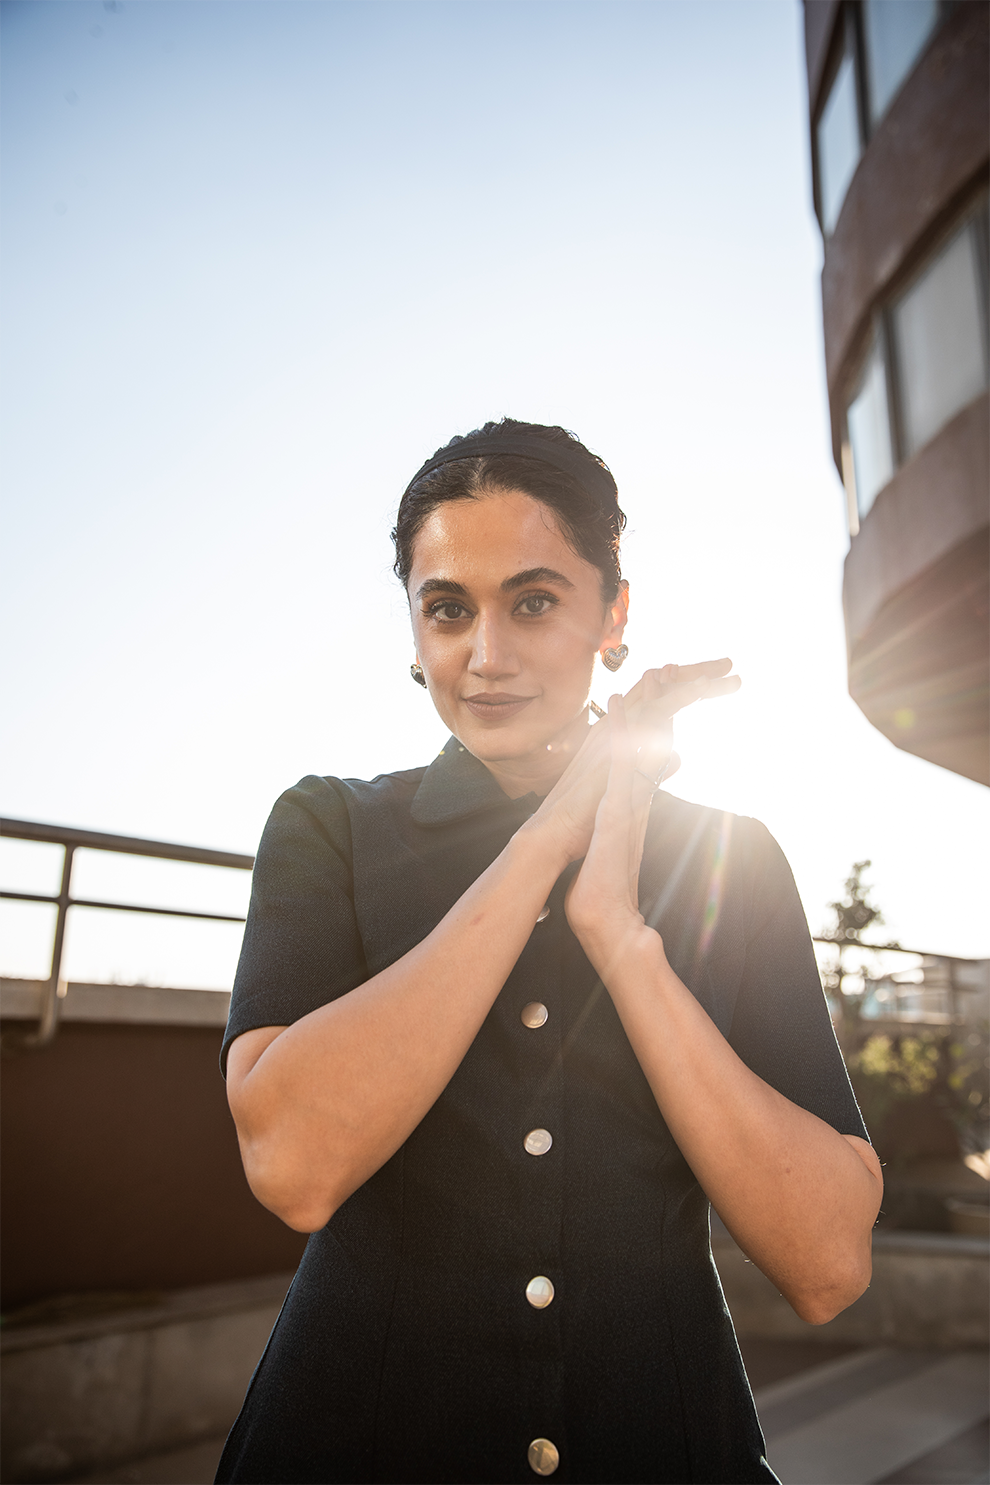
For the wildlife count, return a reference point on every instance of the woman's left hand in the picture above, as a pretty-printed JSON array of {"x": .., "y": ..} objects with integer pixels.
[{"x": 602, "y": 901}]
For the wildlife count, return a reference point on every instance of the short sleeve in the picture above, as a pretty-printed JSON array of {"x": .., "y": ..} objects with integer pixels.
[
  {"x": 781, "y": 1027},
  {"x": 301, "y": 944}
]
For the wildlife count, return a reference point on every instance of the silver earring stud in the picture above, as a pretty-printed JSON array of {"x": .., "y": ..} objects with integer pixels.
[
  {"x": 416, "y": 671},
  {"x": 613, "y": 658}
]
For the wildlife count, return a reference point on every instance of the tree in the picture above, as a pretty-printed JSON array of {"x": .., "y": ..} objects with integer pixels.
[{"x": 853, "y": 915}]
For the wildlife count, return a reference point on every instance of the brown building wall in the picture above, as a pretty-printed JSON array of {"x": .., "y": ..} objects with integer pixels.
[
  {"x": 916, "y": 590},
  {"x": 820, "y": 17},
  {"x": 928, "y": 154},
  {"x": 934, "y": 502},
  {"x": 121, "y": 1169}
]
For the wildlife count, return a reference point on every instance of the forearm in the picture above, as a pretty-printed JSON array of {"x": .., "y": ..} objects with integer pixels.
[
  {"x": 333, "y": 1096},
  {"x": 799, "y": 1198}
]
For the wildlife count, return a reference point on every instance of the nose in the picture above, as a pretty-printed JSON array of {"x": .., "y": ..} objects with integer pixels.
[{"x": 492, "y": 650}]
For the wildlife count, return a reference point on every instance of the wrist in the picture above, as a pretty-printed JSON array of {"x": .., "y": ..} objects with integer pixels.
[
  {"x": 545, "y": 838},
  {"x": 616, "y": 943},
  {"x": 540, "y": 848}
]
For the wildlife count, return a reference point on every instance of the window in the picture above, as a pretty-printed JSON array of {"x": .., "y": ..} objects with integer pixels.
[
  {"x": 928, "y": 360},
  {"x": 895, "y": 34},
  {"x": 868, "y": 421},
  {"x": 838, "y": 143},
  {"x": 938, "y": 338},
  {"x": 879, "y": 42}
]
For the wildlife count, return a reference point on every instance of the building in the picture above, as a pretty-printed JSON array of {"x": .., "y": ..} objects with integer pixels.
[{"x": 898, "y": 97}]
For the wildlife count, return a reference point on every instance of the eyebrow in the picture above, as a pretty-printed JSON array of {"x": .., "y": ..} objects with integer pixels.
[
  {"x": 536, "y": 575},
  {"x": 440, "y": 585},
  {"x": 510, "y": 585}
]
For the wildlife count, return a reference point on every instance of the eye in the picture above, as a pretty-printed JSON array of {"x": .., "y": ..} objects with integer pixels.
[
  {"x": 535, "y": 604},
  {"x": 446, "y": 611}
]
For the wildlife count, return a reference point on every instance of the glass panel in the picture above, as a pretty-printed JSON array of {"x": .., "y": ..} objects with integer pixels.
[
  {"x": 27, "y": 932},
  {"x": 31, "y": 866},
  {"x": 869, "y": 433},
  {"x": 838, "y": 144},
  {"x": 107, "y": 948},
  {"x": 105, "y": 876},
  {"x": 896, "y": 32},
  {"x": 939, "y": 339}
]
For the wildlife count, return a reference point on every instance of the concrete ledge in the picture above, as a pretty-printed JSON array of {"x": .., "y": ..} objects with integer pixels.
[
  {"x": 83, "y": 1394},
  {"x": 94, "y": 1392},
  {"x": 928, "y": 1289},
  {"x": 149, "y": 1005}
]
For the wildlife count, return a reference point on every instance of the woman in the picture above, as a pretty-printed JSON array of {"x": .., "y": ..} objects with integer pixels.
[{"x": 505, "y": 1025}]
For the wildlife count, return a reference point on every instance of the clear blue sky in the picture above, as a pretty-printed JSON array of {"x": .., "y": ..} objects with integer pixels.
[{"x": 262, "y": 258}]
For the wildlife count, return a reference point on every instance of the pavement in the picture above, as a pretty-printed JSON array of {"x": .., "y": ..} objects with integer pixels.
[
  {"x": 881, "y": 1416},
  {"x": 195, "y": 1465},
  {"x": 832, "y": 1415}
]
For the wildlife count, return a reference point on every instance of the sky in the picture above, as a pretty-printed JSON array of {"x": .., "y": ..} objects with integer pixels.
[{"x": 260, "y": 260}]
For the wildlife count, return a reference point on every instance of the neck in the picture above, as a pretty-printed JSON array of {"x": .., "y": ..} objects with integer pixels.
[{"x": 538, "y": 772}]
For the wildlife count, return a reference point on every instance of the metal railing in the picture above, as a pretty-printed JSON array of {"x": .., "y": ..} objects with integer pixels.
[
  {"x": 72, "y": 840},
  {"x": 96, "y": 840},
  {"x": 945, "y": 975}
]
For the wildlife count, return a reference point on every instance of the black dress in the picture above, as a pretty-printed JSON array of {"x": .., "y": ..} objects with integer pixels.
[{"x": 407, "y": 1349}]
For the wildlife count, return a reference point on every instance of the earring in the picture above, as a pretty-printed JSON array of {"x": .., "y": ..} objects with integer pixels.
[
  {"x": 613, "y": 658},
  {"x": 416, "y": 671}
]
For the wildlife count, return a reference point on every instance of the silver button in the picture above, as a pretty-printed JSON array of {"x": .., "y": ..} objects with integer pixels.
[
  {"x": 539, "y": 1292},
  {"x": 543, "y": 1457},
  {"x": 534, "y": 1015},
  {"x": 538, "y": 1142},
  {"x": 544, "y": 914}
]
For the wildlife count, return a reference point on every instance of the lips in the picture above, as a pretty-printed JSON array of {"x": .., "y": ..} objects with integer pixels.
[{"x": 496, "y": 706}]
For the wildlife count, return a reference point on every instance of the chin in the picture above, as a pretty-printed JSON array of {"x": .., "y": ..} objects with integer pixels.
[
  {"x": 509, "y": 743},
  {"x": 493, "y": 747}
]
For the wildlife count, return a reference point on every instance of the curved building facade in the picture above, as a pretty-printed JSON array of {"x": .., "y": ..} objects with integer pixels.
[{"x": 899, "y": 103}]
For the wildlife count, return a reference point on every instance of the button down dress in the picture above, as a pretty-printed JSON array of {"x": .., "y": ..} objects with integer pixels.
[{"x": 526, "y": 1287}]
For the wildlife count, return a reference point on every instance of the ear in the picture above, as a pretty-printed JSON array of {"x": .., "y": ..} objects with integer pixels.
[{"x": 616, "y": 618}]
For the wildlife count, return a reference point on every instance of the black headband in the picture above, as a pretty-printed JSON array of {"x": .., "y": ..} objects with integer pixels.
[{"x": 594, "y": 477}]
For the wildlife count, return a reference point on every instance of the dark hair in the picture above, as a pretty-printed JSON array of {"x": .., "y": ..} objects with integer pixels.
[{"x": 591, "y": 523}]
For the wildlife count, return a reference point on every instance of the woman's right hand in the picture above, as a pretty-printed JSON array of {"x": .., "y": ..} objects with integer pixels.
[{"x": 568, "y": 812}]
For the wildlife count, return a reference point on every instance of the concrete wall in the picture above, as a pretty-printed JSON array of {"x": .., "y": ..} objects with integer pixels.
[
  {"x": 102, "y": 1391},
  {"x": 928, "y": 1289},
  {"x": 80, "y": 1395}
]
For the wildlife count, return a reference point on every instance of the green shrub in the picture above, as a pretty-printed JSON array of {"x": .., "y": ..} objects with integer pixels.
[{"x": 945, "y": 1069}]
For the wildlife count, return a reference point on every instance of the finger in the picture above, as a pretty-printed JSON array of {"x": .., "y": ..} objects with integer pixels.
[
  {"x": 712, "y": 668},
  {"x": 623, "y": 751},
  {"x": 627, "y": 794},
  {"x": 672, "y": 697},
  {"x": 653, "y": 759},
  {"x": 646, "y": 781},
  {"x": 674, "y": 674},
  {"x": 650, "y": 685},
  {"x": 725, "y": 686},
  {"x": 707, "y": 685},
  {"x": 663, "y": 692},
  {"x": 675, "y": 697},
  {"x": 658, "y": 682},
  {"x": 653, "y": 737},
  {"x": 636, "y": 694}
]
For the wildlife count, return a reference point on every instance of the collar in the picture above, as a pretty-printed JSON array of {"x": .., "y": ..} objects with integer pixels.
[{"x": 457, "y": 784}]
